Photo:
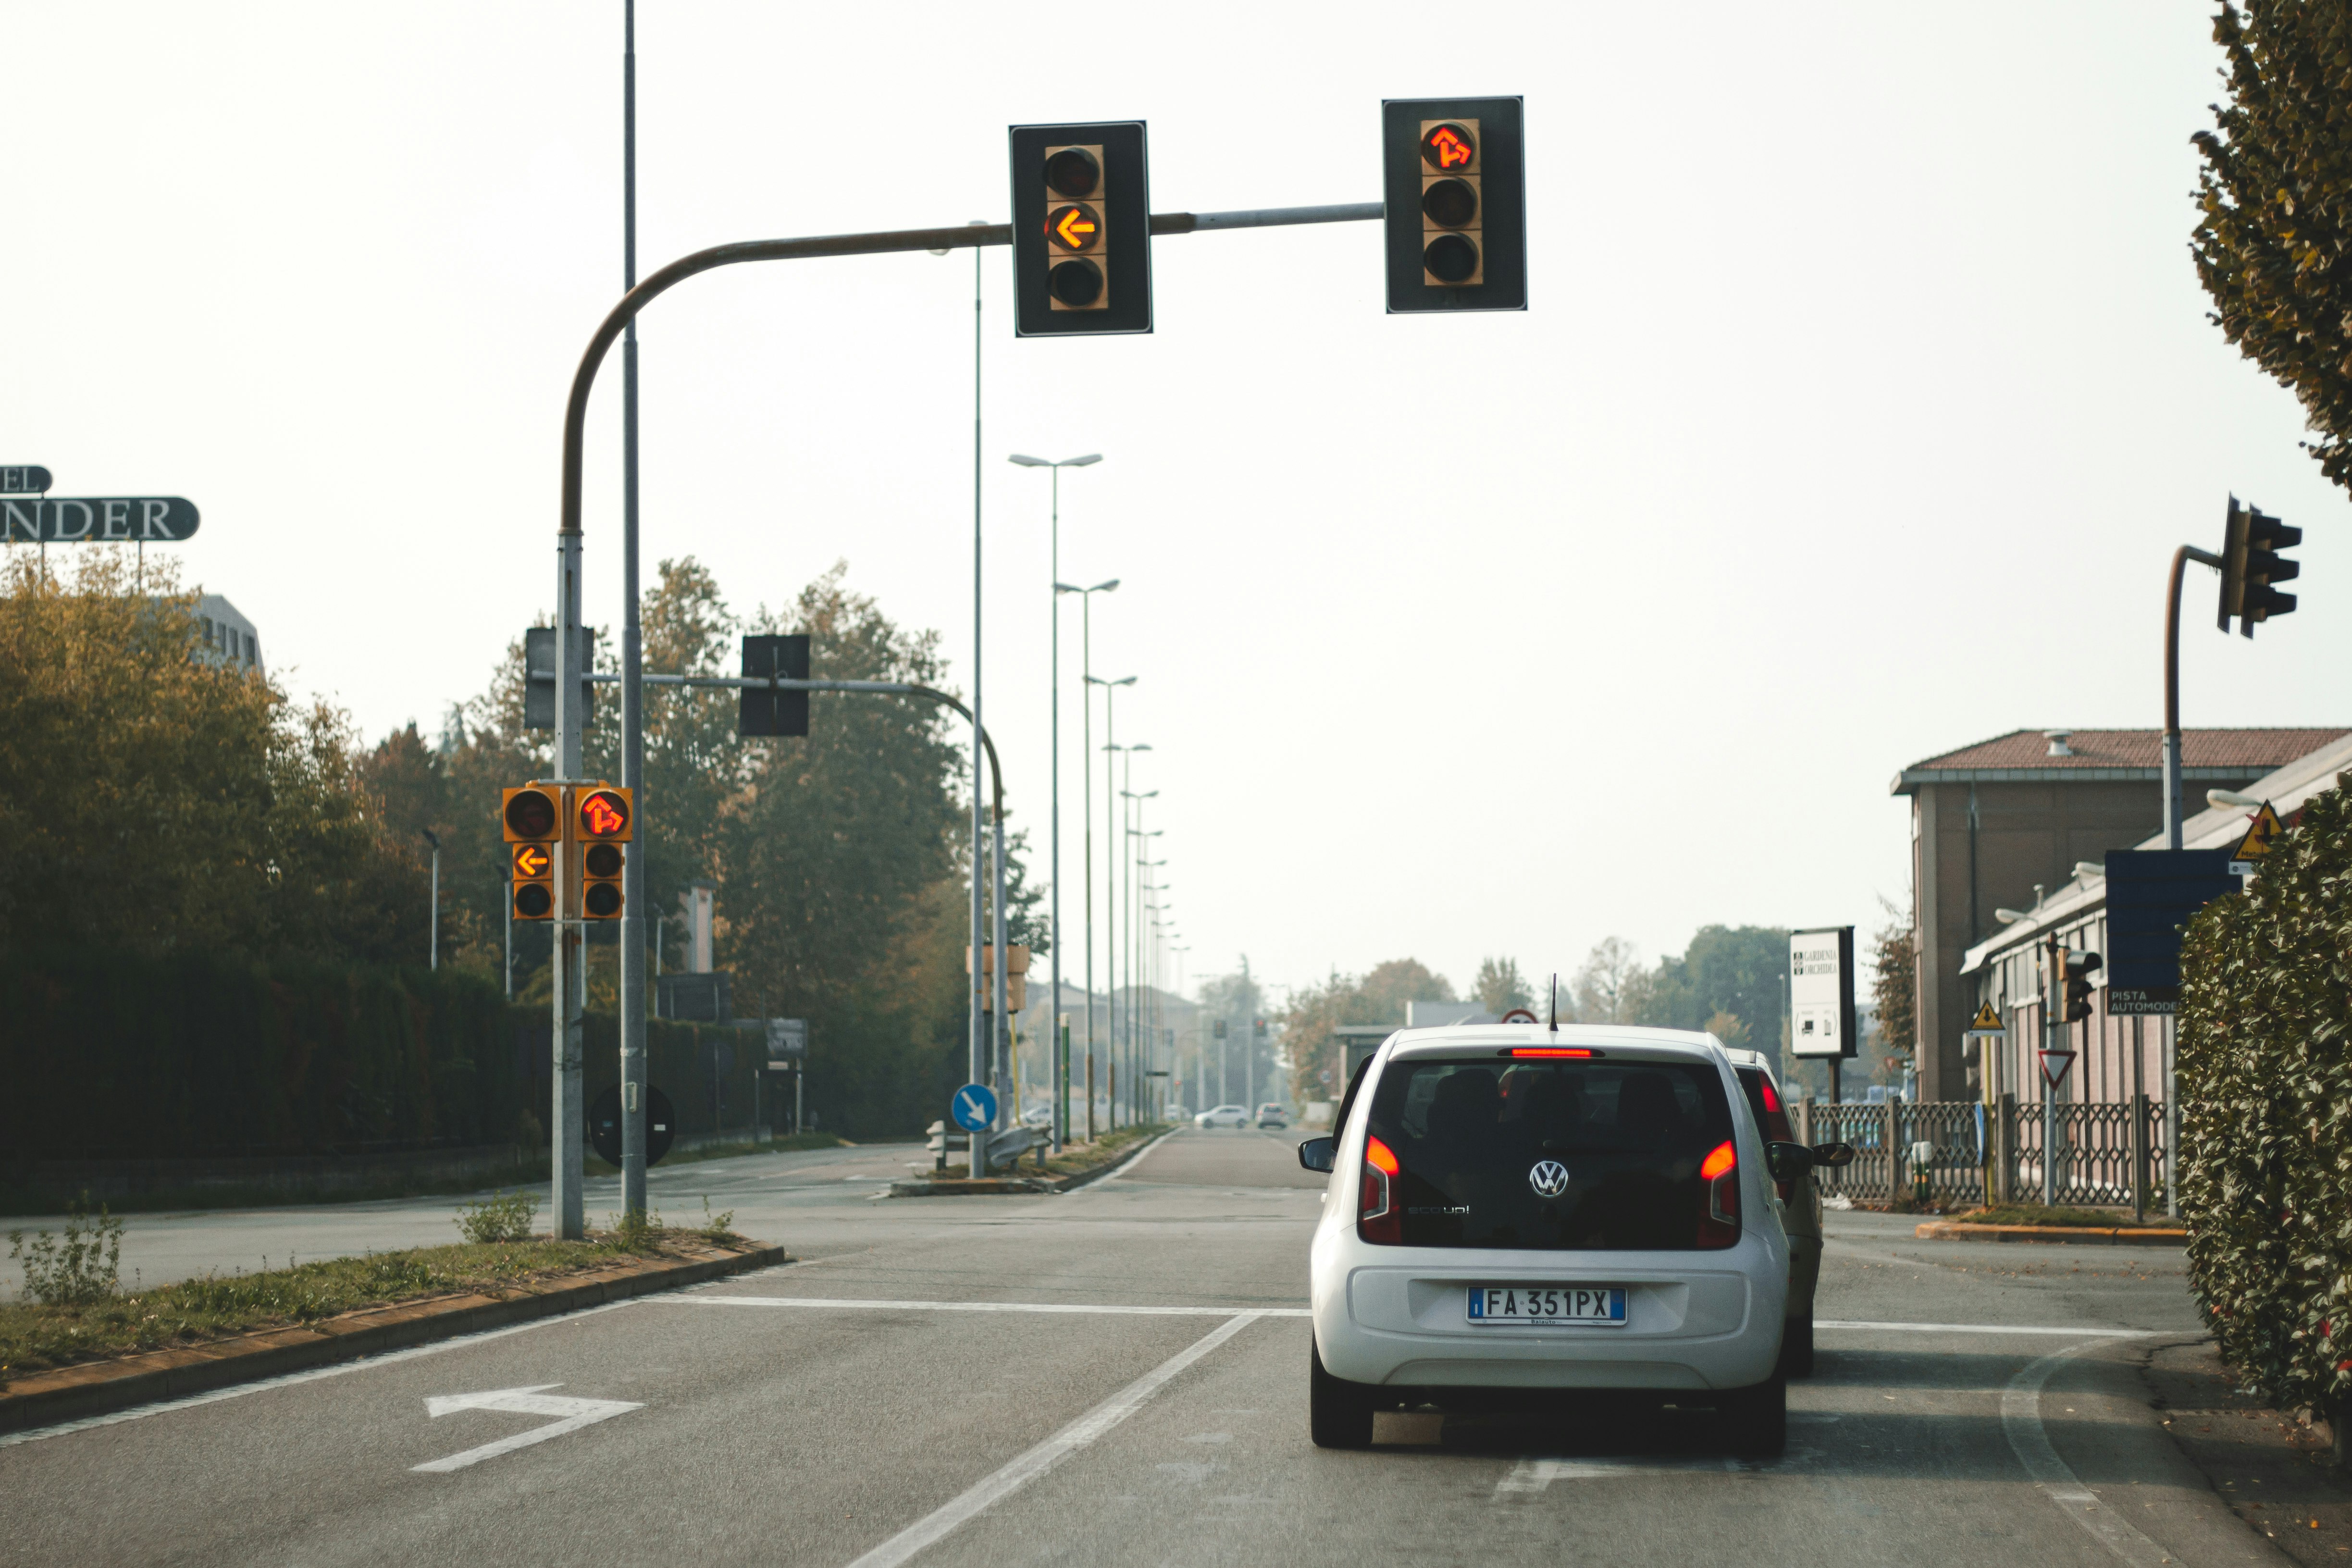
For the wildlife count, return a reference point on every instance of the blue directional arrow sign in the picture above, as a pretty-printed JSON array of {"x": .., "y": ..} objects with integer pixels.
[{"x": 974, "y": 1107}]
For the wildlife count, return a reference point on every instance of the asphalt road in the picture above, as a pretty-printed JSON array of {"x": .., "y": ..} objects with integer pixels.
[{"x": 1119, "y": 1376}]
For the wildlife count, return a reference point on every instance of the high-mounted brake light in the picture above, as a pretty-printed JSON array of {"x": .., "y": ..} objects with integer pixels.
[
  {"x": 1551, "y": 1050},
  {"x": 1378, "y": 1217}
]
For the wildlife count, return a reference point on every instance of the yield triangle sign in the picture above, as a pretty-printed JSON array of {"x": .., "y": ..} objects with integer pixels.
[
  {"x": 2055, "y": 1066},
  {"x": 2260, "y": 831}
]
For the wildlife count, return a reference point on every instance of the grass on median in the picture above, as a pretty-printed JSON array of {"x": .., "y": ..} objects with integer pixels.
[
  {"x": 1075, "y": 1159},
  {"x": 789, "y": 1144},
  {"x": 36, "y": 1336}
]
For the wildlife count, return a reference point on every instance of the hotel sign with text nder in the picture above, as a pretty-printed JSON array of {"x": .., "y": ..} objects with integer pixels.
[{"x": 96, "y": 519}]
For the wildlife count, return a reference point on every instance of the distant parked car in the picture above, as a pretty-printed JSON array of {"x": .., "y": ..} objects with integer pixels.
[
  {"x": 1224, "y": 1117},
  {"x": 1272, "y": 1115},
  {"x": 1038, "y": 1116}
]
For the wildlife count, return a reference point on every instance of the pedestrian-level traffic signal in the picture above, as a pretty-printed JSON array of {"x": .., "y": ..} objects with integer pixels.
[
  {"x": 533, "y": 881},
  {"x": 2080, "y": 967},
  {"x": 531, "y": 819},
  {"x": 1454, "y": 201},
  {"x": 603, "y": 818},
  {"x": 2251, "y": 563},
  {"x": 1081, "y": 229}
]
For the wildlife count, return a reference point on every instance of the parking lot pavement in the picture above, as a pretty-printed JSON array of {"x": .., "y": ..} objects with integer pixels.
[{"x": 1119, "y": 1374}]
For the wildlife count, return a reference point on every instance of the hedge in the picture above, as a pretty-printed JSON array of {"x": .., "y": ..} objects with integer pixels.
[
  {"x": 2265, "y": 1090},
  {"x": 202, "y": 1054}
]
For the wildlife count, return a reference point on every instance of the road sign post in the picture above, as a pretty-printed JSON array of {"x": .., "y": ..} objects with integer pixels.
[{"x": 974, "y": 1109}]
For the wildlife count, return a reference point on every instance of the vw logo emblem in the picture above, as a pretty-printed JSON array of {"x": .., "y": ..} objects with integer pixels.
[{"x": 1549, "y": 1179}]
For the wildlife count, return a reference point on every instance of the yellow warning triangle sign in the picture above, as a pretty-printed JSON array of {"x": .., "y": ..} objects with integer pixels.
[
  {"x": 1987, "y": 1021},
  {"x": 2259, "y": 835}
]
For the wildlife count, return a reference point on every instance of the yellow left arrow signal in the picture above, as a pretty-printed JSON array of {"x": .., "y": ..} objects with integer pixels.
[
  {"x": 530, "y": 862},
  {"x": 1075, "y": 227}
]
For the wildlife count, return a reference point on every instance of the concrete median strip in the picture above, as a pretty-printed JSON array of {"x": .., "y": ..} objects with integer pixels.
[
  {"x": 95, "y": 1388},
  {"x": 1005, "y": 1186}
]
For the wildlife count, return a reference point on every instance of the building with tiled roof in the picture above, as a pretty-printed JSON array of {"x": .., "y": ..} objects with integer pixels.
[{"x": 1993, "y": 822}]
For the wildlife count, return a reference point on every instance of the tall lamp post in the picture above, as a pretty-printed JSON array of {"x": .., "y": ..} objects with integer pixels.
[
  {"x": 1110, "y": 893},
  {"x": 1125, "y": 1047},
  {"x": 432, "y": 943},
  {"x": 1087, "y": 796},
  {"x": 1059, "y": 1069}
]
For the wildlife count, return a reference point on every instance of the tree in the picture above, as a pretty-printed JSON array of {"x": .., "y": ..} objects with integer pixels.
[
  {"x": 1895, "y": 988},
  {"x": 1730, "y": 1028},
  {"x": 153, "y": 802},
  {"x": 2274, "y": 196},
  {"x": 1378, "y": 998},
  {"x": 1735, "y": 970},
  {"x": 1613, "y": 986},
  {"x": 1500, "y": 986}
]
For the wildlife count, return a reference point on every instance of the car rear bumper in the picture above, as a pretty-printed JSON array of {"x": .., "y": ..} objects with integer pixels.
[{"x": 1690, "y": 1324}]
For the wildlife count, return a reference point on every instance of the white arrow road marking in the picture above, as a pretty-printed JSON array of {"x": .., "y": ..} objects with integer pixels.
[{"x": 573, "y": 1414}]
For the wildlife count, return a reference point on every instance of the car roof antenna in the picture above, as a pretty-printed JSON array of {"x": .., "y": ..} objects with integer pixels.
[{"x": 1555, "y": 1001}]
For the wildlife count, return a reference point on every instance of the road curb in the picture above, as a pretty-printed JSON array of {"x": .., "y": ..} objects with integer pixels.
[
  {"x": 2080, "y": 1235},
  {"x": 98, "y": 1387},
  {"x": 998, "y": 1186}
]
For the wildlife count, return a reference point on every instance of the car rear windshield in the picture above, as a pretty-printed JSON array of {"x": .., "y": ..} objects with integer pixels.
[{"x": 1589, "y": 1156}]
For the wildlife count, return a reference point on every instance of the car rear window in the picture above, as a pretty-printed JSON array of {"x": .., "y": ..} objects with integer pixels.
[{"x": 1630, "y": 1137}]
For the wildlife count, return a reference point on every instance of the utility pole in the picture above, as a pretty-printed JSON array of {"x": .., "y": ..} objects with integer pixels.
[
  {"x": 633, "y": 687},
  {"x": 978, "y": 980},
  {"x": 2054, "y": 1038},
  {"x": 433, "y": 904}
]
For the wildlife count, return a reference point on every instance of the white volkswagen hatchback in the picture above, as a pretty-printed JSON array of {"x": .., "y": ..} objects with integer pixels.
[{"x": 1516, "y": 1207}]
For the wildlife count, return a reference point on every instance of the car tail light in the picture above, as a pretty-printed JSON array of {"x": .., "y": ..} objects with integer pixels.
[
  {"x": 1378, "y": 1217},
  {"x": 1718, "y": 1225},
  {"x": 1775, "y": 1126}
]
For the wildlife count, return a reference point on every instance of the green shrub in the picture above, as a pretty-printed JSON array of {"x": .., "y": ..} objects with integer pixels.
[
  {"x": 83, "y": 1265},
  {"x": 2266, "y": 1091},
  {"x": 505, "y": 1217}
]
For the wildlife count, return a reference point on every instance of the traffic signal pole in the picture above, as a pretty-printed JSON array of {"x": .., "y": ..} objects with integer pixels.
[
  {"x": 632, "y": 692},
  {"x": 568, "y": 1129},
  {"x": 2172, "y": 806}
]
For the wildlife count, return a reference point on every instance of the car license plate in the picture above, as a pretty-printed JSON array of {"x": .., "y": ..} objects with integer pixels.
[{"x": 1598, "y": 1306}]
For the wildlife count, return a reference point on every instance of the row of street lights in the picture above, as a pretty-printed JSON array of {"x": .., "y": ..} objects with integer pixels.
[{"x": 1127, "y": 888}]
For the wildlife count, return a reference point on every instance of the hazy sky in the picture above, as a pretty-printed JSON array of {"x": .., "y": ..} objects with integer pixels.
[{"x": 1865, "y": 391}]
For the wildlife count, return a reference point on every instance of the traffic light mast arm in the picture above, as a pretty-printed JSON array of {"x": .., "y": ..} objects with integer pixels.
[
  {"x": 584, "y": 380},
  {"x": 2172, "y": 812}
]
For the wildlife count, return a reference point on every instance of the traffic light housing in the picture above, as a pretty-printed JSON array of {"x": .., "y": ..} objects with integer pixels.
[
  {"x": 539, "y": 677},
  {"x": 2080, "y": 967},
  {"x": 1454, "y": 197},
  {"x": 2251, "y": 563},
  {"x": 530, "y": 817},
  {"x": 532, "y": 884},
  {"x": 767, "y": 710},
  {"x": 603, "y": 819},
  {"x": 1081, "y": 230}
]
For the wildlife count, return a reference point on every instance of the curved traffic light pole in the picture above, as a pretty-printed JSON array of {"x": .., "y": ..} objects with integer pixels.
[{"x": 570, "y": 989}]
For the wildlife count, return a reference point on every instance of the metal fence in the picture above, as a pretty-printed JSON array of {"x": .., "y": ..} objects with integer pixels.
[{"x": 1962, "y": 1148}]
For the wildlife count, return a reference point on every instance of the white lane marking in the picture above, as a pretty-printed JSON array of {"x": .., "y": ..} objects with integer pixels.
[
  {"x": 1081, "y": 1309},
  {"x": 1094, "y": 1424},
  {"x": 2020, "y": 1422},
  {"x": 570, "y": 1416},
  {"x": 1988, "y": 1328},
  {"x": 287, "y": 1380},
  {"x": 1128, "y": 1164}
]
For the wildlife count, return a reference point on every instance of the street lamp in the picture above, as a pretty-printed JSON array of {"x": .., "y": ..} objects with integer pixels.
[
  {"x": 1085, "y": 749},
  {"x": 433, "y": 946},
  {"x": 1059, "y": 1054},
  {"x": 1110, "y": 898}
]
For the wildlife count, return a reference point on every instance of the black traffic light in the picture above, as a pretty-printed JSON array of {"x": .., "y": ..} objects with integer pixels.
[
  {"x": 2251, "y": 563},
  {"x": 1257, "y": 1029},
  {"x": 1081, "y": 230},
  {"x": 1220, "y": 1029},
  {"x": 2079, "y": 970},
  {"x": 1454, "y": 189},
  {"x": 603, "y": 818},
  {"x": 531, "y": 819},
  {"x": 769, "y": 712}
]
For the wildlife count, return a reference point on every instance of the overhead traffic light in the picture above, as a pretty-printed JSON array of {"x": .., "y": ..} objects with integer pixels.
[
  {"x": 1455, "y": 194},
  {"x": 602, "y": 819},
  {"x": 766, "y": 711},
  {"x": 2251, "y": 562},
  {"x": 1081, "y": 229},
  {"x": 2080, "y": 967},
  {"x": 531, "y": 819}
]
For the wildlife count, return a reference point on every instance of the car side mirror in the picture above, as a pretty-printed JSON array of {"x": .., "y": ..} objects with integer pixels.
[
  {"x": 1787, "y": 1162},
  {"x": 1833, "y": 1154},
  {"x": 1320, "y": 1154}
]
